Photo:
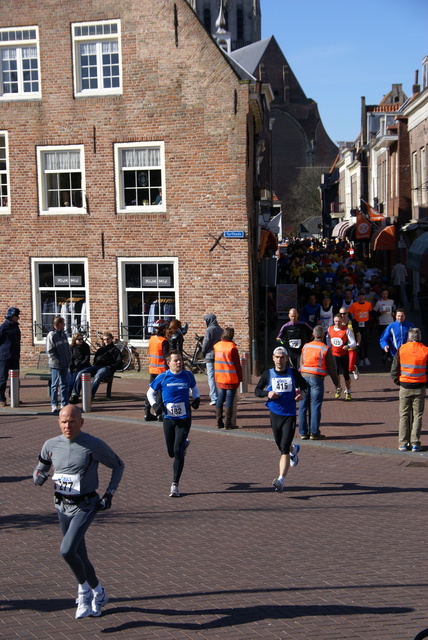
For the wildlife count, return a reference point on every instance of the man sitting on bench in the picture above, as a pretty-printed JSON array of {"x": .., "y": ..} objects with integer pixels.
[{"x": 107, "y": 360}]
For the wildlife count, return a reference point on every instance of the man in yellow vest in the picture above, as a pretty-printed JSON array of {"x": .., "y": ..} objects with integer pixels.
[
  {"x": 409, "y": 370},
  {"x": 315, "y": 364},
  {"x": 158, "y": 351}
]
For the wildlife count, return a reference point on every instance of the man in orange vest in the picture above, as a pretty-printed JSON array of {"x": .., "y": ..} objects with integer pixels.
[
  {"x": 227, "y": 375},
  {"x": 158, "y": 351},
  {"x": 315, "y": 364},
  {"x": 409, "y": 370}
]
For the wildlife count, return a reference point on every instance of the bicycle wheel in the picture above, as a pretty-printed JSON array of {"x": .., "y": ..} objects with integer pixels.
[
  {"x": 199, "y": 363},
  {"x": 126, "y": 354},
  {"x": 187, "y": 361}
]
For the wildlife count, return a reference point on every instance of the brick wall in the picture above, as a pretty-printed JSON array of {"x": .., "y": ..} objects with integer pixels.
[{"x": 182, "y": 95}]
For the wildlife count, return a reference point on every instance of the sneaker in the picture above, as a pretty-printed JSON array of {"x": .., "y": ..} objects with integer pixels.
[
  {"x": 338, "y": 392},
  {"x": 98, "y": 601},
  {"x": 3, "y": 403},
  {"x": 348, "y": 395},
  {"x": 402, "y": 447},
  {"x": 416, "y": 447},
  {"x": 361, "y": 363},
  {"x": 304, "y": 437},
  {"x": 356, "y": 373},
  {"x": 186, "y": 446},
  {"x": 294, "y": 458},
  {"x": 317, "y": 436},
  {"x": 278, "y": 483},
  {"x": 174, "y": 493},
  {"x": 213, "y": 403},
  {"x": 366, "y": 362},
  {"x": 73, "y": 399},
  {"x": 83, "y": 602},
  {"x": 54, "y": 409}
]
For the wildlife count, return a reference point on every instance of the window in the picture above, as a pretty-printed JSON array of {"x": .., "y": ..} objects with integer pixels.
[
  {"x": 140, "y": 177},
  {"x": 61, "y": 179},
  {"x": 4, "y": 176},
  {"x": 148, "y": 292},
  {"x": 415, "y": 181},
  {"x": 20, "y": 75},
  {"x": 59, "y": 288},
  {"x": 97, "y": 67}
]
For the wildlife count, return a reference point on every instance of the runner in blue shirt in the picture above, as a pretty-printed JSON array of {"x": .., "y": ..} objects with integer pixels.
[{"x": 175, "y": 385}]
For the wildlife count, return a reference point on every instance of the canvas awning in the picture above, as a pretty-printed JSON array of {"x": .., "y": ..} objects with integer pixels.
[
  {"x": 340, "y": 229},
  {"x": 417, "y": 256},
  {"x": 384, "y": 239}
]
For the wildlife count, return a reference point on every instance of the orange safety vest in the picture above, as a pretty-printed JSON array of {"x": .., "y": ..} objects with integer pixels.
[
  {"x": 156, "y": 357},
  {"x": 413, "y": 363},
  {"x": 224, "y": 368},
  {"x": 338, "y": 339},
  {"x": 313, "y": 358}
]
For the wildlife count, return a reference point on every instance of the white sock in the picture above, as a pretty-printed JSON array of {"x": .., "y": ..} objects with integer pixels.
[
  {"x": 281, "y": 478},
  {"x": 83, "y": 588},
  {"x": 98, "y": 589}
]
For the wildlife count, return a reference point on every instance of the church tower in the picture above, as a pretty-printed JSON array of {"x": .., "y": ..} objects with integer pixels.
[{"x": 240, "y": 20}]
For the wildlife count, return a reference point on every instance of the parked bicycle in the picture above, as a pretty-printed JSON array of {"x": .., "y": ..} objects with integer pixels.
[{"x": 195, "y": 362}]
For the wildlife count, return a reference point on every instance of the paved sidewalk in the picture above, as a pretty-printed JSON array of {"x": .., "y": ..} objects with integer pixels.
[{"x": 338, "y": 555}]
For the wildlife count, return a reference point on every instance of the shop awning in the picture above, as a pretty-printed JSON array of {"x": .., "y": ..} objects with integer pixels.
[
  {"x": 384, "y": 239},
  {"x": 417, "y": 256},
  {"x": 339, "y": 229}
]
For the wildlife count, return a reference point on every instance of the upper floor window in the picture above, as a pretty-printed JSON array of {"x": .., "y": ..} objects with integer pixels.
[
  {"x": 4, "y": 174},
  {"x": 97, "y": 66},
  {"x": 20, "y": 73},
  {"x": 140, "y": 177},
  {"x": 61, "y": 179}
]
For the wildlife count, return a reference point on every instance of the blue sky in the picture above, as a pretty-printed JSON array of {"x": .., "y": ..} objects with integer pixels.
[{"x": 341, "y": 51}]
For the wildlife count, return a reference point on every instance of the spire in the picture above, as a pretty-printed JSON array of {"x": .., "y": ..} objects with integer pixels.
[{"x": 222, "y": 36}]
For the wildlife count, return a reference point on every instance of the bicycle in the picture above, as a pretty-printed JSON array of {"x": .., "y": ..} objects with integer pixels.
[
  {"x": 127, "y": 351},
  {"x": 195, "y": 362}
]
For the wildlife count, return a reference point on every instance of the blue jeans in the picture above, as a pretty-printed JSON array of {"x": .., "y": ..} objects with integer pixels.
[
  {"x": 211, "y": 381},
  {"x": 226, "y": 398},
  {"x": 312, "y": 403},
  {"x": 59, "y": 376},
  {"x": 99, "y": 374}
]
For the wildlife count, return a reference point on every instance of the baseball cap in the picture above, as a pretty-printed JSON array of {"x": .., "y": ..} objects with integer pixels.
[
  {"x": 12, "y": 311},
  {"x": 280, "y": 350}
]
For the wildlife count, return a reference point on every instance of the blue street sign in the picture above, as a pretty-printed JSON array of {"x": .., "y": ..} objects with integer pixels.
[{"x": 233, "y": 234}]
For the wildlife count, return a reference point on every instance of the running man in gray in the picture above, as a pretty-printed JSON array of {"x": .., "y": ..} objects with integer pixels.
[{"x": 74, "y": 457}]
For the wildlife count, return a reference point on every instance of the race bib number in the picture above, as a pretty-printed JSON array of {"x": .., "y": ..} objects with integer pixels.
[
  {"x": 294, "y": 344},
  {"x": 337, "y": 342},
  {"x": 361, "y": 324},
  {"x": 282, "y": 385},
  {"x": 311, "y": 318},
  {"x": 67, "y": 483},
  {"x": 387, "y": 309},
  {"x": 175, "y": 410}
]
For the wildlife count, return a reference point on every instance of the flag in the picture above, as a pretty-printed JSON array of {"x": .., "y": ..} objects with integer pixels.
[
  {"x": 374, "y": 215},
  {"x": 363, "y": 228}
]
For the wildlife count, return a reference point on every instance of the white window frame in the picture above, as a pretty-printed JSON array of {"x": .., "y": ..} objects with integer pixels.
[
  {"x": 38, "y": 338},
  {"x": 119, "y": 178},
  {"x": 42, "y": 173},
  {"x": 20, "y": 38},
  {"x": 415, "y": 179},
  {"x": 95, "y": 34},
  {"x": 123, "y": 315},
  {"x": 4, "y": 178}
]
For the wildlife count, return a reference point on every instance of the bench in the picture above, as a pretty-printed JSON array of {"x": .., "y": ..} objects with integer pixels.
[{"x": 42, "y": 363}]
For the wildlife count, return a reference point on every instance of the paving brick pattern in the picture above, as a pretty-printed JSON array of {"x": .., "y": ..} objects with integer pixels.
[{"x": 339, "y": 555}]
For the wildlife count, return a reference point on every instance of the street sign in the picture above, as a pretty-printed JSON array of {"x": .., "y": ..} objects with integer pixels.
[{"x": 233, "y": 234}]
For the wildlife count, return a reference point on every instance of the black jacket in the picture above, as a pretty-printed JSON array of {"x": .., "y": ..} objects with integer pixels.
[
  {"x": 10, "y": 343},
  {"x": 80, "y": 357},
  {"x": 109, "y": 356}
]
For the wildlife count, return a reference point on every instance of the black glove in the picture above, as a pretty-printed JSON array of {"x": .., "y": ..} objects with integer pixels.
[
  {"x": 158, "y": 409},
  {"x": 40, "y": 478},
  {"x": 105, "y": 502},
  {"x": 195, "y": 403}
]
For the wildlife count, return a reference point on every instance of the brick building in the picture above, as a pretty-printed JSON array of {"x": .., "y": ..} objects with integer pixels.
[{"x": 127, "y": 146}]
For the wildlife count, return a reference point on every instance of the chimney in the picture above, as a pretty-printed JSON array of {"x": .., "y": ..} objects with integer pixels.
[{"x": 416, "y": 87}]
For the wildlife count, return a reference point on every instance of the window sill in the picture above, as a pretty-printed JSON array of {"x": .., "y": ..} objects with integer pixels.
[
  {"x": 155, "y": 208},
  {"x": 99, "y": 93},
  {"x": 15, "y": 97},
  {"x": 64, "y": 211}
]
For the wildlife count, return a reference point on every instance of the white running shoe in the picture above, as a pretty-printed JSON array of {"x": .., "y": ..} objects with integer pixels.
[
  {"x": 54, "y": 408},
  {"x": 98, "y": 601},
  {"x": 294, "y": 458},
  {"x": 83, "y": 602},
  {"x": 278, "y": 483},
  {"x": 174, "y": 493},
  {"x": 356, "y": 373},
  {"x": 367, "y": 362},
  {"x": 213, "y": 403}
]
